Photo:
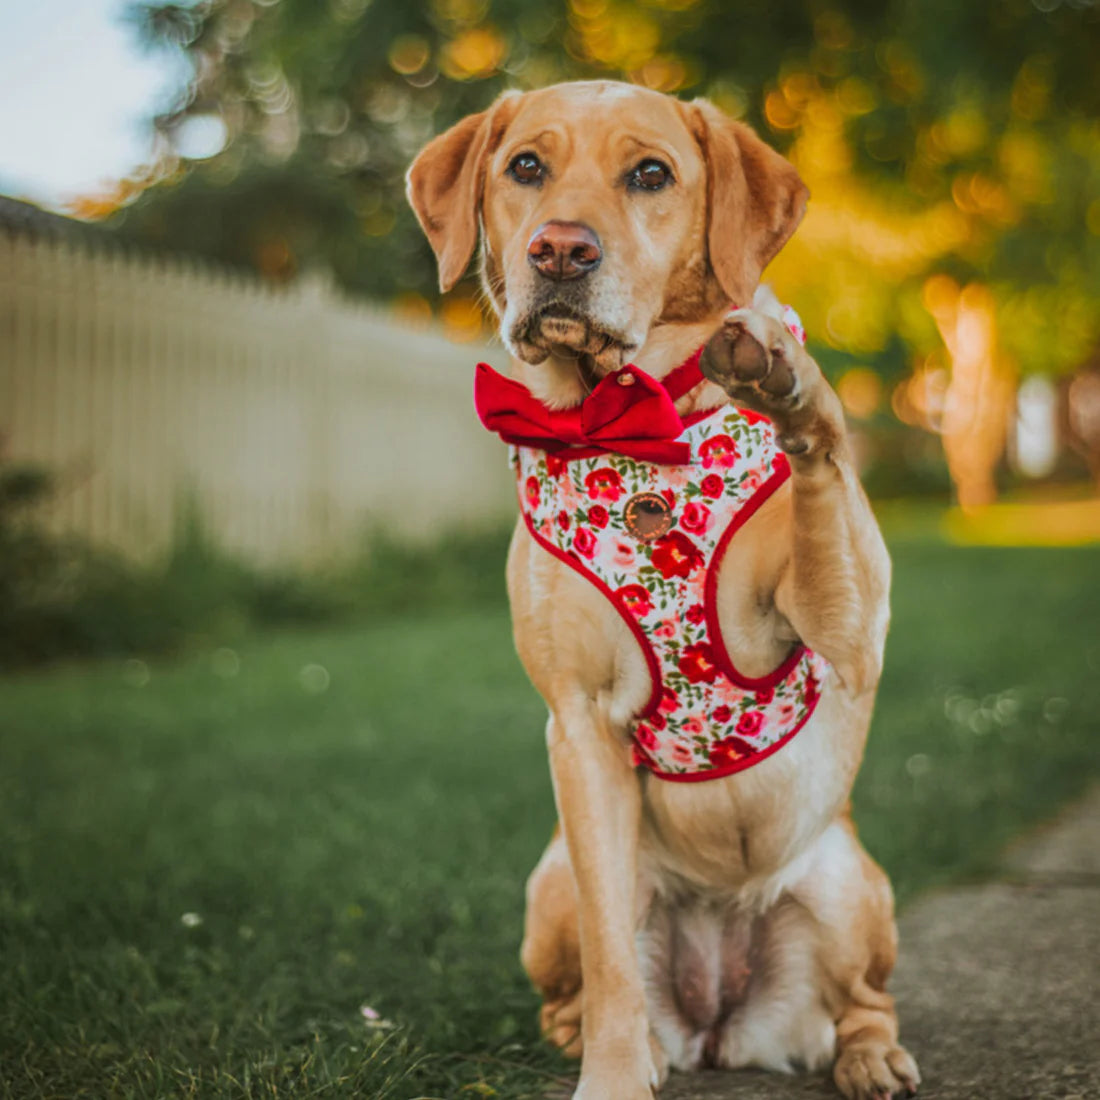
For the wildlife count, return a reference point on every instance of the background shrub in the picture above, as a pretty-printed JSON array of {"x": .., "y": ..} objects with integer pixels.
[{"x": 61, "y": 598}]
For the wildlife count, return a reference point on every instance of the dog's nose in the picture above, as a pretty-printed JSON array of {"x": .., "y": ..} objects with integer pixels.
[{"x": 564, "y": 250}]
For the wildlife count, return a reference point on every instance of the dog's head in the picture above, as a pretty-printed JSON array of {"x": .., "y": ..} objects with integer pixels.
[{"x": 603, "y": 209}]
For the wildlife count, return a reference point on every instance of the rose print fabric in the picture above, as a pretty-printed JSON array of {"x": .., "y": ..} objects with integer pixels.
[{"x": 704, "y": 719}]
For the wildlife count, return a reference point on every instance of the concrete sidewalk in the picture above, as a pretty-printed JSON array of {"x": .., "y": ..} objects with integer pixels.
[{"x": 998, "y": 985}]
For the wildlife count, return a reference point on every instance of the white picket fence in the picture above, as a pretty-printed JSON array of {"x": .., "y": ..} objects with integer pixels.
[{"x": 295, "y": 420}]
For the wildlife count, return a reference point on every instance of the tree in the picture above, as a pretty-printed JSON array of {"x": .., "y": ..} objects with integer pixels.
[
  {"x": 953, "y": 150},
  {"x": 956, "y": 160}
]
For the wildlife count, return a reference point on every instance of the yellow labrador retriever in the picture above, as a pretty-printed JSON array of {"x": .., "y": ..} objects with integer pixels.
[{"x": 738, "y": 921}]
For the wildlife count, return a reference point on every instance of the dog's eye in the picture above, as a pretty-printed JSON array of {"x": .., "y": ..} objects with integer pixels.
[
  {"x": 650, "y": 175},
  {"x": 526, "y": 168}
]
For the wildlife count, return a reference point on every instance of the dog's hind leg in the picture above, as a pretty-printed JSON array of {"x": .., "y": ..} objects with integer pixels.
[
  {"x": 820, "y": 970},
  {"x": 858, "y": 945},
  {"x": 551, "y": 951}
]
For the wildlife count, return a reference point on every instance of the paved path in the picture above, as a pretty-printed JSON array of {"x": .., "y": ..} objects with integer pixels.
[{"x": 998, "y": 985}]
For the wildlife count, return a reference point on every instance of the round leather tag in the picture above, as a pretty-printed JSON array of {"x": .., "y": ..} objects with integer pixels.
[{"x": 647, "y": 516}]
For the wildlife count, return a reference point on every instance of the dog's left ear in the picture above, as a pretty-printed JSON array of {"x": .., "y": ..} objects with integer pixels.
[
  {"x": 444, "y": 186},
  {"x": 755, "y": 199}
]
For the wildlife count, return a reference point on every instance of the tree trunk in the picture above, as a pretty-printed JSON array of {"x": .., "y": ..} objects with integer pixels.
[{"x": 979, "y": 400}]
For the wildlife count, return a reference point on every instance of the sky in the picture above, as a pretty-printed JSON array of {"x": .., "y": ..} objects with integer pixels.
[{"x": 76, "y": 94}]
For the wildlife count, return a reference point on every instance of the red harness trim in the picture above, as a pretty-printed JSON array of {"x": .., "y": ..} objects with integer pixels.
[
  {"x": 729, "y": 769},
  {"x": 781, "y": 470}
]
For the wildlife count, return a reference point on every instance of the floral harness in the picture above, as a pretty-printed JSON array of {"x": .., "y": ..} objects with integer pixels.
[{"x": 651, "y": 537}]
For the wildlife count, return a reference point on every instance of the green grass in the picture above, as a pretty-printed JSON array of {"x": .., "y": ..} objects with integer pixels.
[{"x": 367, "y": 843}]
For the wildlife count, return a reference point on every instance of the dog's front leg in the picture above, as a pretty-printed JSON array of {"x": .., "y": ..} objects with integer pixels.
[
  {"x": 834, "y": 580},
  {"x": 599, "y": 804},
  {"x": 831, "y": 584}
]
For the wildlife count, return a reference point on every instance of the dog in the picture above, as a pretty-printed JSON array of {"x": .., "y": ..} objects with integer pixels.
[{"x": 738, "y": 921}]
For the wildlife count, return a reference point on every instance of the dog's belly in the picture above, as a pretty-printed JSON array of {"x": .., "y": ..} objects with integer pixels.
[
  {"x": 735, "y": 981},
  {"x": 697, "y": 956}
]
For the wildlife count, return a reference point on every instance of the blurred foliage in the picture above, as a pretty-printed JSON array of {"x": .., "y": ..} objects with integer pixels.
[
  {"x": 952, "y": 150},
  {"x": 938, "y": 137},
  {"x": 61, "y": 598}
]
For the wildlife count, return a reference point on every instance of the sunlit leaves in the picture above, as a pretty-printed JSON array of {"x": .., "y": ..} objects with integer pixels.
[
  {"x": 474, "y": 54},
  {"x": 934, "y": 136}
]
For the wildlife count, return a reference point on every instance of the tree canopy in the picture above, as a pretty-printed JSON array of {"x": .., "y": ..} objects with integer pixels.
[
  {"x": 941, "y": 137},
  {"x": 952, "y": 149}
]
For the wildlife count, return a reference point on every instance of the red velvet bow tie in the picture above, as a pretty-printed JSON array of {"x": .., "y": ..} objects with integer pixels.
[{"x": 628, "y": 413}]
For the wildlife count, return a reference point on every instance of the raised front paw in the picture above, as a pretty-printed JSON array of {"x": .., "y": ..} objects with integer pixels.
[
  {"x": 876, "y": 1071},
  {"x": 761, "y": 365}
]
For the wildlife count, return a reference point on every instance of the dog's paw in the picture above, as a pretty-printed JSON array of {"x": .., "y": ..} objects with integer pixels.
[
  {"x": 623, "y": 1069},
  {"x": 560, "y": 1024},
  {"x": 612, "y": 1088},
  {"x": 761, "y": 365},
  {"x": 876, "y": 1071}
]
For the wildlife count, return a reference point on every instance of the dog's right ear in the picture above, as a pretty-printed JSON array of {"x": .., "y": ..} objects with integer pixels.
[{"x": 445, "y": 183}]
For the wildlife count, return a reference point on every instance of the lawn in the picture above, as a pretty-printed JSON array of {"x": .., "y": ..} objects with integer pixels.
[{"x": 208, "y": 868}]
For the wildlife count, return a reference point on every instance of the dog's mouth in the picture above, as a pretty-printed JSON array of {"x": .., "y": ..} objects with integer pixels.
[{"x": 560, "y": 329}]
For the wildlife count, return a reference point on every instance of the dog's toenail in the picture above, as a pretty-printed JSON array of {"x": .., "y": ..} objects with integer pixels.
[{"x": 626, "y": 379}]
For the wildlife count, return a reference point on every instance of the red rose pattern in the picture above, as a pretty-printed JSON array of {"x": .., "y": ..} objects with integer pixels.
[
  {"x": 675, "y": 555},
  {"x": 811, "y": 695},
  {"x": 598, "y": 516},
  {"x": 695, "y": 518},
  {"x": 720, "y": 451},
  {"x": 584, "y": 542},
  {"x": 681, "y": 755},
  {"x": 748, "y": 725},
  {"x": 712, "y": 486},
  {"x": 604, "y": 484},
  {"x": 730, "y": 750},
  {"x": 697, "y": 664},
  {"x": 637, "y": 600},
  {"x": 702, "y": 721}
]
